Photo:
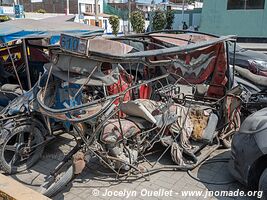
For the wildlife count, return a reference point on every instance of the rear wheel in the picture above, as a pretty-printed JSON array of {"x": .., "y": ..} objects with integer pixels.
[
  {"x": 263, "y": 185},
  {"x": 21, "y": 149}
]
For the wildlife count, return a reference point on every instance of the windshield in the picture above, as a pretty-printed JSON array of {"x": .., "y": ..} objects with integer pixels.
[{"x": 238, "y": 48}]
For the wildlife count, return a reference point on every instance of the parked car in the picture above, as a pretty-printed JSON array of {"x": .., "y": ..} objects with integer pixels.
[
  {"x": 254, "y": 61},
  {"x": 251, "y": 74},
  {"x": 248, "y": 163}
]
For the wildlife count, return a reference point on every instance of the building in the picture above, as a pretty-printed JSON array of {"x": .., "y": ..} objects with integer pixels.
[
  {"x": 116, "y": 1},
  {"x": 60, "y": 6},
  {"x": 86, "y": 15},
  {"x": 246, "y": 19},
  {"x": 88, "y": 6},
  {"x": 50, "y": 6}
]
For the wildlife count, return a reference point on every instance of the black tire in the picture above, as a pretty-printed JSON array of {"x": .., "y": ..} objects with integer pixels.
[
  {"x": 263, "y": 185},
  {"x": 12, "y": 160},
  {"x": 53, "y": 185}
]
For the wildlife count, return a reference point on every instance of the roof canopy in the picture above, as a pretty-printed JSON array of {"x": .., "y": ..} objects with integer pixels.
[{"x": 29, "y": 28}]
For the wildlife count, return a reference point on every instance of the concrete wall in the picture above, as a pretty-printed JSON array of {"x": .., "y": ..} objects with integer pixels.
[
  {"x": 191, "y": 17},
  {"x": 38, "y": 16},
  {"x": 217, "y": 19}
]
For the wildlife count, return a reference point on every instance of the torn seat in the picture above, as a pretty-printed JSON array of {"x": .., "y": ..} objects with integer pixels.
[
  {"x": 12, "y": 88},
  {"x": 147, "y": 113},
  {"x": 114, "y": 131},
  {"x": 8, "y": 92}
]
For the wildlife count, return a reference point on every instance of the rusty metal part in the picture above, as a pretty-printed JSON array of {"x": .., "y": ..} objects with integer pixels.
[
  {"x": 169, "y": 51},
  {"x": 78, "y": 162},
  {"x": 227, "y": 134},
  {"x": 200, "y": 121},
  {"x": 61, "y": 113},
  {"x": 108, "y": 47}
]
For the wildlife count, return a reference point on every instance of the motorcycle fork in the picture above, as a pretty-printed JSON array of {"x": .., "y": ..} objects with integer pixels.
[{"x": 66, "y": 158}]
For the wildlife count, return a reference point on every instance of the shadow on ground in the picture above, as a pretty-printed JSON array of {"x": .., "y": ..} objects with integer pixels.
[
  {"x": 216, "y": 177},
  {"x": 212, "y": 176},
  {"x": 54, "y": 152}
]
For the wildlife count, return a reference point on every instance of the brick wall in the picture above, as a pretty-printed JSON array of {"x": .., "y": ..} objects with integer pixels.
[{"x": 51, "y": 6}]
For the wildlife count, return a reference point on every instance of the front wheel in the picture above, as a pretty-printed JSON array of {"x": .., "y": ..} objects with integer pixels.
[
  {"x": 54, "y": 184},
  {"x": 22, "y": 148},
  {"x": 263, "y": 185}
]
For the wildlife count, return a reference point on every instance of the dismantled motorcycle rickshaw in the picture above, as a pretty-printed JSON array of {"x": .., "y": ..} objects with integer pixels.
[
  {"x": 23, "y": 52},
  {"x": 122, "y": 96}
]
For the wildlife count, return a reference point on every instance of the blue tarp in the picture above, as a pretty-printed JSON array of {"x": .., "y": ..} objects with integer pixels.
[{"x": 49, "y": 28}]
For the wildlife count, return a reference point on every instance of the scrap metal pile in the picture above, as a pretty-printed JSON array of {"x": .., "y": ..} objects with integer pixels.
[{"x": 118, "y": 98}]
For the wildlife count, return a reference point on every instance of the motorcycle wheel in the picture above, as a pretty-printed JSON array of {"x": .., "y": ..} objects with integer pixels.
[
  {"x": 54, "y": 184},
  {"x": 236, "y": 122},
  {"x": 15, "y": 154}
]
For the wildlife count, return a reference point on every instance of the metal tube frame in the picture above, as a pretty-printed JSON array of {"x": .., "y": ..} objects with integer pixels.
[{"x": 24, "y": 46}]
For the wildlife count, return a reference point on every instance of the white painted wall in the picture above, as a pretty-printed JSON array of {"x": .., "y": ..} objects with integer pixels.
[
  {"x": 38, "y": 16},
  {"x": 7, "y": 10},
  {"x": 92, "y": 2},
  {"x": 177, "y": 22},
  {"x": 108, "y": 30},
  {"x": 196, "y": 19}
]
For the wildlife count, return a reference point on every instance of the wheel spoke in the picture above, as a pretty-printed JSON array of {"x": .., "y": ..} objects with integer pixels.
[
  {"x": 14, "y": 159},
  {"x": 10, "y": 147},
  {"x": 21, "y": 138},
  {"x": 33, "y": 141}
]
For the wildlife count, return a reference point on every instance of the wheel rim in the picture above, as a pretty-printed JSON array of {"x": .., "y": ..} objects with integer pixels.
[
  {"x": 51, "y": 181},
  {"x": 18, "y": 150}
]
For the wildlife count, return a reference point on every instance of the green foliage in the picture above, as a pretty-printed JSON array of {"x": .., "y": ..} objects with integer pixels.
[
  {"x": 169, "y": 19},
  {"x": 159, "y": 20},
  {"x": 41, "y": 11},
  {"x": 4, "y": 18},
  {"x": 115, "y": 24},
  {"x": 137, "y": 21}
]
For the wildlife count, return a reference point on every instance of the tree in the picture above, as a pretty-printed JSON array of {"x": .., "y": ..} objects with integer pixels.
[
  {"x": 159, "y": 20},
  {"x": 137, "y": 21},
  {"x": 169, "y": 19},
  {"x": 115, "y": 24}
]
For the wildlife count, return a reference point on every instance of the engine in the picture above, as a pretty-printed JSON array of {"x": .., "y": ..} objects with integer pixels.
[{"x": 123, "y": 155}]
